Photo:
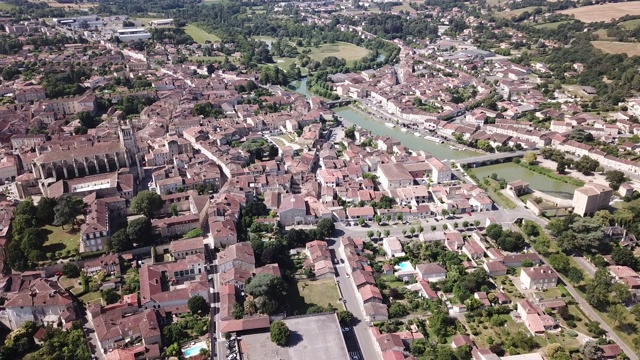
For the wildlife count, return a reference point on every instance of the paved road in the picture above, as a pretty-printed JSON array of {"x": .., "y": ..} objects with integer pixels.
[
  {"x": 365, "y": 338},
  {"x": 586, "y": 265}
]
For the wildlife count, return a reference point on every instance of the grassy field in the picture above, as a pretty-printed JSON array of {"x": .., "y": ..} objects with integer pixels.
[
  {"x": 59, "y": 239},
  {"x": 91, "y": 297},
  {"x": 552, "y": 25},
  {"x": 605, "y": 12},
  {"x": 5, "y": 7},
  {"x": 516, "y": 12},
  {"x": 405, "y": 6},
  {"x": 200, "y": 36},
  {"x": 68, "y": 282},
  {"x": 614, "y": 47},
  {"x": 318, "y": 292},
  {"x": 341, "y": 50},
  {"x": 630, "y": 24}
]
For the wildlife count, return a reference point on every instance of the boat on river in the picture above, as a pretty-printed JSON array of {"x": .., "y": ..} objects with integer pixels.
[
  {"x": 404, "y": 130},
  {"x": 391, "y": 125},
  {"x": 417, "y": 134},
  {"x": 433, "y": 138}
]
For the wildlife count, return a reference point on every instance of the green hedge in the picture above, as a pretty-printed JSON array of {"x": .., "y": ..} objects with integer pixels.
[{"x": 551, "y": 174}]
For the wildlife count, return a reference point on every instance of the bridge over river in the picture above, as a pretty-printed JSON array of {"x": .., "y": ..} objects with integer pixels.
[{"x": 476, "y": 161}]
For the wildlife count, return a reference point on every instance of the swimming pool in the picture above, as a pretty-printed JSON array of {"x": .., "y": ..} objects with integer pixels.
[
  {"x": 194, "y": 350},
  {"x": 405, "y": 266}
]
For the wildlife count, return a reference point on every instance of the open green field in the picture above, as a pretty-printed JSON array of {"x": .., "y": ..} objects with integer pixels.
[
  {"x": 5, "y": 7},
  {"x": 405, "y": 6},
  {"x": 200, "y": 36},
  {"x": 552, "y": 25},
  {"x": 314, "y": 292},
  {"x": 341, "y": 50},
  {"x": 59, "y": 239},
  {"x": 516, "y": 12},
  {"x": 630, "y": 24}
]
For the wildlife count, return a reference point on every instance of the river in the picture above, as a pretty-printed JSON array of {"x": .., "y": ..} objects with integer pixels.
[
  {"x": 377, "y": 127},
  {"x": 511, "y": 172}
]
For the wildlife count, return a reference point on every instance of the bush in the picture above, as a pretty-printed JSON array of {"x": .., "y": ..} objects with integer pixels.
[
  {"x": 572, "y": 333},
  {"x": 571, "y": 323},
  {"x": 279, "y": 332}
]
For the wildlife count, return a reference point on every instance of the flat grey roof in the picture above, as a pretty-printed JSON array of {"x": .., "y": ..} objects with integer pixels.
[{"x": 312, "y": 338}]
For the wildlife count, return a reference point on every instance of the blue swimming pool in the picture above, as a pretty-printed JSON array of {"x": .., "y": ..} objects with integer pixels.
[
  {"x": 194, "y": 350},
  {"x": 405, "y": 266}
]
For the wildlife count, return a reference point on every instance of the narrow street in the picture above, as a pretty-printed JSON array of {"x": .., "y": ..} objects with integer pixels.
[{"x": 347, "y": 288}]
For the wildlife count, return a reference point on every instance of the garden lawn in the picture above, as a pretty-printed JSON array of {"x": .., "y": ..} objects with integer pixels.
[
  {"x": 313, "y": 292},
  {"x": 68, "y": 282},
  {"x": 90, "y": 297},
  {"x": 59, "y": 239},
  {"x": 199, "y": 35}
]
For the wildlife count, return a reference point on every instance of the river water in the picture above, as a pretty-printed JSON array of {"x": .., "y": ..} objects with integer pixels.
[
  {"x": 377, "y": 127},
  {"x": 509, "y": 171}
]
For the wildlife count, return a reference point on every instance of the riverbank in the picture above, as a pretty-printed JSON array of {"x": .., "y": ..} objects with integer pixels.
[
  {"x": 355, "y": 116},
  {"x": 493, "y": 190},
  {"x": 552, "y": 174}
]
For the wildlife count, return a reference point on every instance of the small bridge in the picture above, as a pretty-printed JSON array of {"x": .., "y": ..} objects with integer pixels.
[
  {"x": 339, "y": 103},
  {"x": 490, "y": 158}
]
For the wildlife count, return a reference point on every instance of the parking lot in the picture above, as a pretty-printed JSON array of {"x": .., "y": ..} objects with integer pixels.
[{"x": 316, "y": 337}]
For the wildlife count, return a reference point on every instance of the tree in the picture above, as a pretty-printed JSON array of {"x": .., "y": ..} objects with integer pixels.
[
  {"x": 586, "y": 165},
  {"x": 378, "y": 234},
  {"x": 598, "y": 289},
  {"x": 27, "y": 208},
  {"x": 412, "y": 231},
  {"x": 68, "y": 208},
  {"x": 110, "y": 296},
  {"x": 174, "y": 350},
  {"x": 560, "y": 262},
  {"x": 420, "y": 229},
  {"x": 397, "y": 310},
  {"x": 265, "y": 285},
  {"x": 345, "y": 317},
  {"x": 325, "y": 228},
  {"x": 279, "y": 333},
  {"x": 529, "y": 158},
  {"x": 615, "y": 178},
  {"x": 370, "y": 234},
  {"x": 174, "y": 210},
  {"x": 455, "y": 225},
  {"x": 361, "y": 221},
  {"x": 387, "y": 233},
  {"x": 624, "y": 257},
  {"x": 140, "y": 231},
  {"x": 591, "y": 351},
  {"x": 70, "y": 270},
  {"x": 120, "y": 241},
  {"x": 617, "y": 313},
  {"x": 46, "y": 213},
  {"x": 404, "y": 232},
  {"x": 620, "y": 294},
  {"x": 635, "y": 310},
  {"x": 465, "y": 224},
  {"x": 399, "y": 217},
  {"x": 198, "y": 305},
  {"x": 350, "y": 133},
  {"x": 494, "y": 231},
  {"x": 476, "y": 223},
  {"x": 444, "y": 213},
  {"x": 146, "y": 203},
  {"x": 575, "y": 275},
  {"x": 377, "y": 219}
]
